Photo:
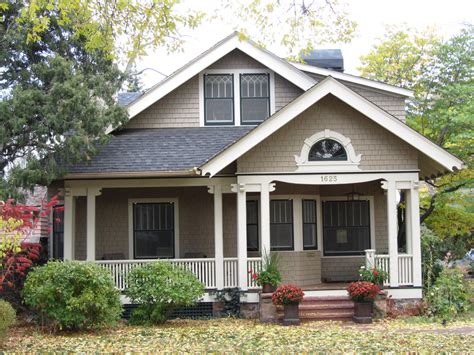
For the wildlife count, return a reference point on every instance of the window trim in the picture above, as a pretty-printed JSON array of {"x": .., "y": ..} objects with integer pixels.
[
  {"x": 236, "y": 73},
  {"x": 253, "y": 123},
  {"x": 131, "y": 202},
  {"x": 232, "y": 99},
  {"x": 369, "y": 198}
]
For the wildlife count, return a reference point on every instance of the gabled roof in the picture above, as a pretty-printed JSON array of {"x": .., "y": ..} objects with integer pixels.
[
  {"x": 194, "y": 67},
  {"x": 354, "y": 79},
  {"x": 309, "y": 98},
  {"x": 157, "y": 152}
]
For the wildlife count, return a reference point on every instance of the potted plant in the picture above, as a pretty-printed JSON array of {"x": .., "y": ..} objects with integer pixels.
[
  {"x": 363, "y": 293},
  {"x": 374, "y": 275},
  {"x": 289, "y": 296},
  {"x": 269, "y": 277}
]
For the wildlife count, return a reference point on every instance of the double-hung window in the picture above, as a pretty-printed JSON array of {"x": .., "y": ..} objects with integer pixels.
[
  {"x": 281, "y": 225},
  {"x": 252, "y": 225},
  {"x": 254, "y": 98},
  {"x": 346, "y": 227},
  {"x": 219, "y": 99},
  {"x": 309, "y": 225},
  {"x": 153, "y": 230}
]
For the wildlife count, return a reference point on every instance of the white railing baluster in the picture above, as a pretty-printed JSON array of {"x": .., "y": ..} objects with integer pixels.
[{"x": 405, "y": 267}]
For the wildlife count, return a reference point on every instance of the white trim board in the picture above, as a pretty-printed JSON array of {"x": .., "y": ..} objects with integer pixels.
[
  {"x": 210, "y": 56},
  {"x": 378, "y": 85},
  {"x": 309, "y": 98}
]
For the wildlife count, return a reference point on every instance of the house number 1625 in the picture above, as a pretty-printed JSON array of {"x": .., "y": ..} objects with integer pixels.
[{"x": 329, "y": 178}]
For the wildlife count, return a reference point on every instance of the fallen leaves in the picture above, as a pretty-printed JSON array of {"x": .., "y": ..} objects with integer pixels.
[{"x": 231, "y": 335}]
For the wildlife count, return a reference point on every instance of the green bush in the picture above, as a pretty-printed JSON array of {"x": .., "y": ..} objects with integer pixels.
[
  {"x": 73, "y": 295},
  {"x": 158, "y": 288},
  {"x": 449, "y": 296},
  {"x": 7, "y": 318}
]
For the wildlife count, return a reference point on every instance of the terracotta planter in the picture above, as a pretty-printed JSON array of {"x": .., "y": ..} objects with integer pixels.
[
  {"x": 363, "y": 312},
  {"x": 268, "y": 288},
  {"x": 291, "y": 314}
]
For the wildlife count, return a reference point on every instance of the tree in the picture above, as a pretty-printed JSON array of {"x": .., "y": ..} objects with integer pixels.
[{"x": 440, "y": 72}]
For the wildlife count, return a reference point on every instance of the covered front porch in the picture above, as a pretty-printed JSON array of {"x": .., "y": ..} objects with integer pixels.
[{"x": 221, "y": 226}]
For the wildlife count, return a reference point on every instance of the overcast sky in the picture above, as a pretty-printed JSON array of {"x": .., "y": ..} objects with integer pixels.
[{"x": 371, "y": 16}]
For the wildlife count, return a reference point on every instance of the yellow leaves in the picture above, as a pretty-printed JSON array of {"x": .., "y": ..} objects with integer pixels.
[
  {"x": 10, "y": 237},
  {"x": 236, "y": 335}
]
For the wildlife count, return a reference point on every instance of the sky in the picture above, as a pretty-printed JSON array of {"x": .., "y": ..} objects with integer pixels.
[{"x": 371, "y": 15}]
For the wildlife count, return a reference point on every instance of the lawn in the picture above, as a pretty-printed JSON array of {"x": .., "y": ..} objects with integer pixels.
[{"x": 228, "y": 335}]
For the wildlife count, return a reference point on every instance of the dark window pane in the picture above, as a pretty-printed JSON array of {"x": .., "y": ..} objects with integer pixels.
[
  {"x": 219, "y": 110},
  {"x": 254, "y": 110},
  {"x": 327, "y": 149},
  {"x": 252, "y": 226},
  {"x": 153, "y": 230},
  {"x": 58, "y": 233},
  {"x": 309, "y": 224},
  {"x": 281, "y": 224},
  {"x": 346, "y": 226}
]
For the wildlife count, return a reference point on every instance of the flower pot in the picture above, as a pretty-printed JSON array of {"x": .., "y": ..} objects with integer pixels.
[
  {"x": 267, "y": 288},
  {"x": 291, "y": 314},
  {"x": 363, "y": 312}
]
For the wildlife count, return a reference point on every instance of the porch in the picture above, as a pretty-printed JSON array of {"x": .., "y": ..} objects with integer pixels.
[{"x": 219, "y": 234}]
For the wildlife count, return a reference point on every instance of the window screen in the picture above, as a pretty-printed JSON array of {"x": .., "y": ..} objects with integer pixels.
[
  {"x": 254, "y": 98},
  {"x": 153, "y": 230},
  {"x": 252, "y": 226},
  {"x": 58, "y": 232},
  {"x": 346, "y": 227},
  {"x": 281, "y": 224},
  {"x": 219, "y": 99},
  {"x": 309, "y": 225}
]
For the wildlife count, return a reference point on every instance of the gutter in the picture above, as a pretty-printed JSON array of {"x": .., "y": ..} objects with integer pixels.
[{"x": 135, "y": 174}]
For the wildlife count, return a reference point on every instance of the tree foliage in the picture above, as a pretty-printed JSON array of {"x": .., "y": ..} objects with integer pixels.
[{"x": 440, "y": 72}]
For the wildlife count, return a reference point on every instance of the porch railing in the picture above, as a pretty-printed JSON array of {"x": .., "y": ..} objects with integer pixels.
[
  {"x": 405, "y": 266},
  {"x": 204, "y": 269}
]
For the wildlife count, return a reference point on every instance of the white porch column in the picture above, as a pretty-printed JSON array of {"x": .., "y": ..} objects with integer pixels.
[
  {"x": 415, "y": 239},
  {"x": 242, "y": 236},
  {"x": 392, "y": 231},
  {"x": 69, "y": 215},
  {"x": 91, "y": 195},
  {"x": 218, "y": 237},
  {"x": 265, "y": 219}
]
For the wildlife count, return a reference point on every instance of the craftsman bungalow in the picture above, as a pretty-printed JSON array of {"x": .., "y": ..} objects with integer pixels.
[{"x": 240, "y": 152}]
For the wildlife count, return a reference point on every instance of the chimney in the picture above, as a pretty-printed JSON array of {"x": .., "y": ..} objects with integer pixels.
[{"x": 325, "y": 58}]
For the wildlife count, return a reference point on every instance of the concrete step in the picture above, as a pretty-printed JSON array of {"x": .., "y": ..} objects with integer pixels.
[
  {"x": 326, "y": 298},
  {"x": 323, "y": 306}
]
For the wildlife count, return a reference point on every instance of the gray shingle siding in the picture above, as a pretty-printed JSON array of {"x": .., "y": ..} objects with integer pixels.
[{"x": 166, "y": 149}]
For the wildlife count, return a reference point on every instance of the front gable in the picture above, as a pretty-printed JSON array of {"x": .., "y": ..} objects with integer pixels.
[{"x": 378, "y": 148}]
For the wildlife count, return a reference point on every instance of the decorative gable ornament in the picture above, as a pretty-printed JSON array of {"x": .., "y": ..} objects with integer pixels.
[{"x": 327, "y": 163}]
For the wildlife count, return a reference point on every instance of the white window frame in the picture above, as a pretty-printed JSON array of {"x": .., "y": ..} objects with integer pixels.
[
  {"x": 369, "y": 198},
  {"x": 152, "y": 200},
  {"x": 236, "y": 76},
  {"x": 305, "y": 165}
]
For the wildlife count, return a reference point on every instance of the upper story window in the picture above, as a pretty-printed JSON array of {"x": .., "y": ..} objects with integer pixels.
[
  {"x": 254, "y": 98},
  {"x": 219, "y": 99},
  {"x": 327, "y": 149}
]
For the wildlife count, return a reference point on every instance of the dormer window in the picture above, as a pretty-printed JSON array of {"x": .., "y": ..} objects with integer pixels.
[
  {"x": 254, "y": 98},
  {"x": 236, "y": 97},
  {"x": 327, "y": 149},
  {"x": 219, "y": 99}
]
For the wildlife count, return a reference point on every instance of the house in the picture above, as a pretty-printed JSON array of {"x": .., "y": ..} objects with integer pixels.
[{"x": 240, "y": 152}]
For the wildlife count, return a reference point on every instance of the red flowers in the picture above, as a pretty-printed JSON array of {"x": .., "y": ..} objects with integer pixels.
[
  {"x": 287, "y": 294},
  {"x": 361, "y": 291}
]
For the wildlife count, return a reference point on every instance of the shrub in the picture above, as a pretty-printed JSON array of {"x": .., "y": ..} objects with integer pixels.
[
  {"x": 158, "y": 288},
  {"x": 7, "y": 318},
  {"x": 269, "y": 274},
  {"x": 287, "y": 294},
  {"x": 449, "y": 295},
  {"x": 363, "y": 291},
  {"x": 374, "y": 275},
  {"x": 73, "y": 295}
]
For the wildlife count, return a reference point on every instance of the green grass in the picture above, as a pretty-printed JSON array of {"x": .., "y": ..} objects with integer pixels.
[{"x": 229, "y": 335}]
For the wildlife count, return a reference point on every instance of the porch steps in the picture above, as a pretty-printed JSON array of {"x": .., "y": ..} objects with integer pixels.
[{"x": 314, "y": 308}]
